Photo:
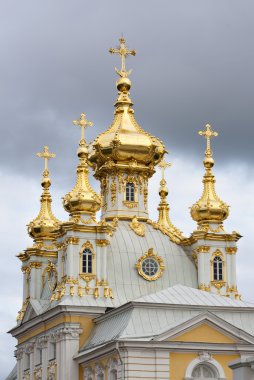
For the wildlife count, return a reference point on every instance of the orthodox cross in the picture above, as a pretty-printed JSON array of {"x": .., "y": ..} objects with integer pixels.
[
  {"x": 208, "y": 133},
  {"x": 83, "y": 124},
  {"x": 163, "y": 165},
  {"x": 123, "y": 51},
  {"x": 46, "y": 155}
]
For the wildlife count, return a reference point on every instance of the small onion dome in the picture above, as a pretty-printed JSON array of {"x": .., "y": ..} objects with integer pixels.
[
  {"x": 82, "y": 198},
  {"x": 45, "y": 225},
  {"x": 125, "y": 140},
  {"x": 209, "y": 208}
]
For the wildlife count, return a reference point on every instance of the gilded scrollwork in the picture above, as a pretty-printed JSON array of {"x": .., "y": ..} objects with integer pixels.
[
  {"x": 137, "y": 227},
  {"x": 113, "y": 192}
]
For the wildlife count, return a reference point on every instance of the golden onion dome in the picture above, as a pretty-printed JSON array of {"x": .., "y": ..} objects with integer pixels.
[
  {"x": 125, "y": 140},
  {"x": 82, "y": 199},
  {"x": 45, "y": 226},
  {"x": 209, "y": 209}
]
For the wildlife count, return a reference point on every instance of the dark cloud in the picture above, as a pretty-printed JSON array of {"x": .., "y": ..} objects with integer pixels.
[{"x": 194, "y": 64}]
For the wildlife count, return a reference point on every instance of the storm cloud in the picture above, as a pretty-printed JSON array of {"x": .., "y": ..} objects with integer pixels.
[{"x": 194, "y": 65}]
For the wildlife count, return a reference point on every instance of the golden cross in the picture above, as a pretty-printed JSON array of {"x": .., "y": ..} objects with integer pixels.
[
  {"x": 208, "y": 133},
  {"x": 123, "y": 51},
  {"x": 46, "y": 155},
  {"x": 82, "y": 123},
  {"x": 163, "y": 165}
]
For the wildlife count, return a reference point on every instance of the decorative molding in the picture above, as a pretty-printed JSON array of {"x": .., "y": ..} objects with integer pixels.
[
  {"x": 64, "y": 333},
  {"x": 50, "y": 272},
  {"x": 42, "y": 341},
  {"x": 88, "y": 373},
  {"x": 102, "y": 242},
  {"x": 29, "y": 347},
  {"x": 38, "y": 373},
  {"x": 51, "y": 371},
  {"x": 204, "y": 357},
  {"x": 231, "y": 250},
  {"x": 72, "y": 240},
  {"x": 19, "y": 353},
  {"x": 203, "y": 249},
  {"x": 130, "y": 204},
  {"x": 113, "y": 192}
]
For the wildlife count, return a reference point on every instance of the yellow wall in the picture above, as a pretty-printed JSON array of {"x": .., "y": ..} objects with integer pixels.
[
  {"x": 179, "y": 363},
  {"x": 203, "y": 333},
  {"x": 86, "y": 324}
]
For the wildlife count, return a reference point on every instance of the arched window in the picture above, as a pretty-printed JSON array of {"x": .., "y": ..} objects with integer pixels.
[
  {"x": 87, "y": 261},
  {"x": 217, "y": 268},
  {"x": 205, "y": 371},
  {"x": 113, "y": 374},
  {"x": 130, "y": 192}
]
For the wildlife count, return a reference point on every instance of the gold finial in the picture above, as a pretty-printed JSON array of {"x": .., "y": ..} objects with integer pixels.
[
  {"x": 83, "y": 124},
  {"x": 123, "y": 51},
  {"x": 208, "y": 133},
  {"x": 163, "y": 165},
  {"x": 46, "y": 155}
]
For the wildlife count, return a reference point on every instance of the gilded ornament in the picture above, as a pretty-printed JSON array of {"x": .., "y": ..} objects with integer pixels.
[
  {"x": 35, "y": 264},
  {"x": 203, "y": 249},
  {"x": 113, "y": 193},
  {"x": 174, "y": 234},
  {"x": 96, "y": 292},
  {"x": 102, "y": 242},
  {"x": 111, "y": 295},
  {"x": 138, "y": 228},
  {"x": 51, "y": 371},
  {"x": 22, "y": 311},
  {"x": 231, "y": 250},
  {"x": 73, "y": 240},
  {"x": 130, "y": 204},
  {"x": 51, "y": 273}
]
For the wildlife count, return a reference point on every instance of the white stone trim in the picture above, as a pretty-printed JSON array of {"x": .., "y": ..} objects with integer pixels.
[{"x": 204, "y": 357}]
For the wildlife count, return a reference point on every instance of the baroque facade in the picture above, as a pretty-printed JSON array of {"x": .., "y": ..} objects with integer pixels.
[{"x": 126, "y": 297}]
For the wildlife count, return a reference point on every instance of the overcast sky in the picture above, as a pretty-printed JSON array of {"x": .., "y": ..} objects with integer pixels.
[{"x": 194, "y": 64}]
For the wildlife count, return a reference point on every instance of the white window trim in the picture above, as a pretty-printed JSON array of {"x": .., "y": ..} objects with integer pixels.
[{"x": 203, "y": 358}]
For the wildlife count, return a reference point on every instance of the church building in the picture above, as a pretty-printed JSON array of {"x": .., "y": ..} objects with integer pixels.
[{"x": 125, "y": 297}]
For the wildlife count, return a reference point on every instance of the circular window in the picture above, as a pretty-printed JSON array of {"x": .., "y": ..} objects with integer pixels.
[{"x": 150, "y": 267}]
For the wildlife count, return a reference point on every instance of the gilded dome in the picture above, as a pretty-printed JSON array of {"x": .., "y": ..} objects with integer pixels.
[
  {"x": 125, "y": 140},
  {"x": 209, "y": 208},
  {"x": 82, "y": 199},
  {"x": 45, "y": 225}
]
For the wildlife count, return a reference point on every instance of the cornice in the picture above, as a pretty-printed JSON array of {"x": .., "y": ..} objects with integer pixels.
[{"x": 52, "y": 314}]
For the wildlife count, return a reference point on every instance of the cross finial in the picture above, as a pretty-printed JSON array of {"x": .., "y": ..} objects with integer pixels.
[
  {"x": 163, "y": 165},
  {"x": 123, "y": 51},
  {"x": 82, "y": 123},
  {"x": 46, "y": 155},
  {"x": 208, "y": 133}
]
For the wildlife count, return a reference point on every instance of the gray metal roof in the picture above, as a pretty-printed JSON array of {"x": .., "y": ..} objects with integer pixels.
[
  {"x": 184, "y": 295},
  {"x": 13, "y": 374},
  {"x": 141, "y": 320}
]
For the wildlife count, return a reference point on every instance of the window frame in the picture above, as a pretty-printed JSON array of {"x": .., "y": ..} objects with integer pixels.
[{"x": 87, "y": 275}]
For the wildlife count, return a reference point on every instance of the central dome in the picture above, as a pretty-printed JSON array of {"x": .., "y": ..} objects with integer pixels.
[{"x": 125, "y": 140}]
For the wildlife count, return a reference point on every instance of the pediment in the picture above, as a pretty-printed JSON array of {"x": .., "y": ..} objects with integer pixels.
[
  {"x": 30, "y": 313},
  {"x": 206, "y": 327}
]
